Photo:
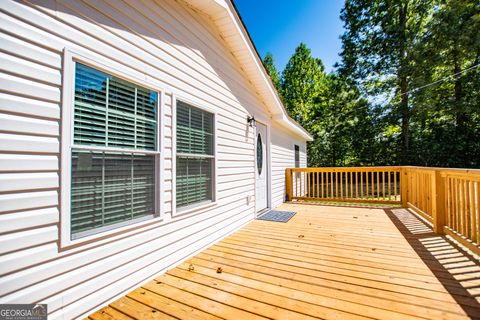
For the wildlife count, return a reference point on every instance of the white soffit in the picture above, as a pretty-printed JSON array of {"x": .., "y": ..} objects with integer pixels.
[{"x": 225, "y": 17}]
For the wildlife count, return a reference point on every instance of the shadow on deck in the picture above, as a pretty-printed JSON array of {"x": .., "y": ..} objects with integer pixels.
[
  {"x": 326, "y": 262},
  {"x": 457, "y": 270}
]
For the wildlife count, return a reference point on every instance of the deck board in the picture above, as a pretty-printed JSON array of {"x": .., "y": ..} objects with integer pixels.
[{"x": 326, "y": 262}]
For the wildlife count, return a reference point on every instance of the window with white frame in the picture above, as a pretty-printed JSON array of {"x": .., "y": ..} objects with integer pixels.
[
  {"x": 114, "y": 152},
  {"x": 195, "y": 156}
]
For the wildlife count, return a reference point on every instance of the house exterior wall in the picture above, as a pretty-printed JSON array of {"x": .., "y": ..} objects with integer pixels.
[
  {"x": 180, "y": 54},
  {"x": 283, "y": 156}
]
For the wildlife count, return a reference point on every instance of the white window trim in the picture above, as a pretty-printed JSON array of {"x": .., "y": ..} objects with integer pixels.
[
  {"x": 70, "y": 57},
  {"x": 194, "y": 208}
]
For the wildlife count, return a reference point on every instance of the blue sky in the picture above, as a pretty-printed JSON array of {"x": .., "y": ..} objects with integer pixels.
[{"x": 279, "y": 26}]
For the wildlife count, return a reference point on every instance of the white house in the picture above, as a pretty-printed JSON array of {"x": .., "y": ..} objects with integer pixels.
[{"x": 127, "y": 143}]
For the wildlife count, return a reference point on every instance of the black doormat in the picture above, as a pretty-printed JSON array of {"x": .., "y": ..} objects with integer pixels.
[{"x": 277, "y": 216}]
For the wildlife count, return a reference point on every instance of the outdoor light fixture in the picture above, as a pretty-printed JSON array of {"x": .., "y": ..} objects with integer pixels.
[{"x": 251, "y": 121}]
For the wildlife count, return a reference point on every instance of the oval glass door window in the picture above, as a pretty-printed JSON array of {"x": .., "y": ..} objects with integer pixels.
[{"x": 259, "y": 154}]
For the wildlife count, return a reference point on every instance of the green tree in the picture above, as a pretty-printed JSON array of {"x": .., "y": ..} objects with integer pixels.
[
  {"x": 378, "y": 51},
  {"x": 272, "y": 71},
  {"x": 331, "y": 109},
  {"x": 407, "y": 90},
  {"x": 341, "y": 125},
  {"x": 301, "y": 84},
  {"x": 447, "y": 113}
]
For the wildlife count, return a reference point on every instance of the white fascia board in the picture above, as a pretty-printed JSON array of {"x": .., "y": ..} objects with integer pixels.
[{"x": 289, "y": 123}]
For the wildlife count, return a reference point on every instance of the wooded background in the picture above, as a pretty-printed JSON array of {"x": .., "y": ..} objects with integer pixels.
[{"x": 406, "y": 91}]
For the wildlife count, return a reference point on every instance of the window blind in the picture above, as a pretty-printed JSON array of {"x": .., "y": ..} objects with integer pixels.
[
  {"x": 195, "y": 155},
  {"x": 194, "y": 130},
  {"x": 194, "y": 180},
  {"x": 110, "y": 187},
  {"x": 112, "y": 112}
]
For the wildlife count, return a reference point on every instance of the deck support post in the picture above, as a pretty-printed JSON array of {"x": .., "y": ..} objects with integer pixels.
[
  {"x": 438, "y": 202},
  {"x": 404, "y": 186},
  {"x": 288, "y": 184}
]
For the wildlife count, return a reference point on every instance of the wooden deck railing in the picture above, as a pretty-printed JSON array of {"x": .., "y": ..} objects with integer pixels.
[
  {"x": 367, "y": 184},
  {"x": 462, "y": 205},
  {"x": 449, "y": 199},
  {"x": 420, "y": 183}
]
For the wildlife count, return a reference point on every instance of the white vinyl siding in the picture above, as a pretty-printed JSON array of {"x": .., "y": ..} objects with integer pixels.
[
  {"x": 174, "y": 49},
  {"x": 283, "y": 156}
]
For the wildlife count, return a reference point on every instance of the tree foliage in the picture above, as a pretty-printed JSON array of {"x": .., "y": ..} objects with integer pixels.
[
  {"x": 301, "y": 84},
  {"x": 447, "y": 114},
  {"x": 379, "y": 51},
  {"x": 393, "y": 49},
  {"x": 272, "y": 71},
  {"x": 406, "y": 91}
]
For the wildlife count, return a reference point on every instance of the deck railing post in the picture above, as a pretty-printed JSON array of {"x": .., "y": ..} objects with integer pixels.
[
  {"x": 288, "y": 184},
  {"x": 438, "y": 202},
  {"x": 404, "y": 186}
]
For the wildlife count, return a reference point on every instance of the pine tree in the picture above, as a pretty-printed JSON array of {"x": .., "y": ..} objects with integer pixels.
[
  {"x": 378, "y": 52},
  {"x": 301, "y": 84},
  {"x": 450, "y": 109},
  {"x": 272, "y": 71}
]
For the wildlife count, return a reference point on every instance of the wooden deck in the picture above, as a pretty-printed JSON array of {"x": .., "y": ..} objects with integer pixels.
[{"x": 327, "y": 262}]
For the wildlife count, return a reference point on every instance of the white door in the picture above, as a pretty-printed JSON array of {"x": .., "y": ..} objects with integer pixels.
[{"x": 261, "y": 168}]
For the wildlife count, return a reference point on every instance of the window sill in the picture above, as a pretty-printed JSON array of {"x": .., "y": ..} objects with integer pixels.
[
  {"x": 98, "y": 232},
  {"x": 106, "y": 236},
  {"x": 194, "y": 208}
]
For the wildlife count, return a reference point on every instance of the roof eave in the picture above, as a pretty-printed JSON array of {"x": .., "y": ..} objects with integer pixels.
[{"x": 225, "y": 15}]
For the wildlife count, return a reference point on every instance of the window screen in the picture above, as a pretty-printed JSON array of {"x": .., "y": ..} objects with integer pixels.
[
  {"x": 195, "y": 155},
  {"x": 113, "y": 152}
]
